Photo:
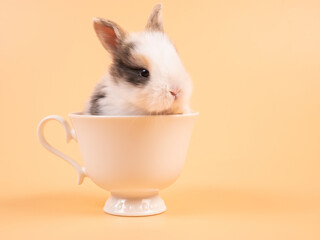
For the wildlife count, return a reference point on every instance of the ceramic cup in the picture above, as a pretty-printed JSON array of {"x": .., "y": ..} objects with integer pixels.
[{"x": 133, "y": 157}]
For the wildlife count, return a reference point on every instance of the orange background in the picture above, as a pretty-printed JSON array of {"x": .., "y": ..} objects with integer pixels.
[{"x": 253, "y": 165}]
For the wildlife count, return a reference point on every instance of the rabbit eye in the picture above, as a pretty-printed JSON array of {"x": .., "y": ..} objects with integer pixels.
[{"x": 144, "y": 73}]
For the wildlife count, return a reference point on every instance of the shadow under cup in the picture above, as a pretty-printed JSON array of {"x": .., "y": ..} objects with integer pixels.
[{"x": 133, "y": 157}]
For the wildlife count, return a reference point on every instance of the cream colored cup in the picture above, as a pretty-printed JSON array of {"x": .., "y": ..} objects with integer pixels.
[{"x": 133, "y": 157}]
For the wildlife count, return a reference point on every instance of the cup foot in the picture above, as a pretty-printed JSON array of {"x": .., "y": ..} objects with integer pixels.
[{"x": 134, "y": 206}]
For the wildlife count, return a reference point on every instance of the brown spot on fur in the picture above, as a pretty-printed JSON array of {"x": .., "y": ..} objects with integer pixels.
[
  {"x": 128, "y": 66},
  {"x": 124, "y": 53},
  {"x": 127, "y": 56},
  {"x": 98, "y": 94},
  {"x": 142, "y": 60}
]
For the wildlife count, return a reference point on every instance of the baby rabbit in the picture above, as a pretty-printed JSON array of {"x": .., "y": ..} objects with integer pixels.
[{"x": 146, "y": 75}]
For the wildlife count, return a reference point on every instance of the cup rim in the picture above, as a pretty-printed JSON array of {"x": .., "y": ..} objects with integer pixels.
[{"x": 81, "y": 115}]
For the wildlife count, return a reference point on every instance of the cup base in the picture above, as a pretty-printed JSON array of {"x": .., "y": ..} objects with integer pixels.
[{"x": 134, "y": 206}]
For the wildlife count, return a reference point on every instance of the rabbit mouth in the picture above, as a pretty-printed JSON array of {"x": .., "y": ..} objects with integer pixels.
[{"x": 171, "y": 106}]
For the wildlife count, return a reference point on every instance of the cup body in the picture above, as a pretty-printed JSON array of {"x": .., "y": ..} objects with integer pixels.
[{"x": 133, "y": 155}]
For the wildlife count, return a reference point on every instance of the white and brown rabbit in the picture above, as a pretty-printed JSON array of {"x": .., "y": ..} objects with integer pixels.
[{"x": 146, "y": 75}]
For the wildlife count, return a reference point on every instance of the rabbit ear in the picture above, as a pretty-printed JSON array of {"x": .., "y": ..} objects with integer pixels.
[
  {"x": 155, "y": 19},
  {"x": 109, "y": 33}
]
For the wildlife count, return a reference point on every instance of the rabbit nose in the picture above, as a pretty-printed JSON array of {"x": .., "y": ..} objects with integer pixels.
[{"x": 173, "y": 93}]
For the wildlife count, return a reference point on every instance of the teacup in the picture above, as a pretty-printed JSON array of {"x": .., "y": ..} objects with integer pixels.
[{"x": 133, "y": 157}]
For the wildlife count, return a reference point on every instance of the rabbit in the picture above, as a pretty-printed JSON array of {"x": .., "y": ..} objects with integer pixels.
[{"x": 146, "y": 76}]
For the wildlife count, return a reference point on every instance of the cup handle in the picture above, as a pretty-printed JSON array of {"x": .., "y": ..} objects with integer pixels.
[{"x": 70, "y": 134}]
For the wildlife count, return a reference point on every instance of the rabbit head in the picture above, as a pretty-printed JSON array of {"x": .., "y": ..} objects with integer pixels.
[{"x": 146, "y": 69}]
